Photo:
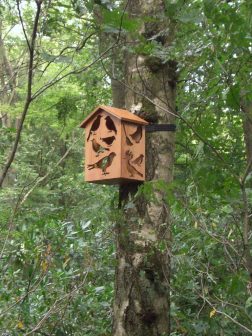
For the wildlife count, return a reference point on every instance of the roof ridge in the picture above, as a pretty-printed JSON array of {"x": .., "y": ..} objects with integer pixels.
[{"x": 121, "y": 114}]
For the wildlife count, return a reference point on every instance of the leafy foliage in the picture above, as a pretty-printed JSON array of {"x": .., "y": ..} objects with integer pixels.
[{"x": 57, "y": 253}]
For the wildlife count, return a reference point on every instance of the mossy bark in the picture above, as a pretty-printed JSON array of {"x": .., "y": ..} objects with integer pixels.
[
  {"x": 247, "y": 126},
  {"x": 247, "y": 222}
]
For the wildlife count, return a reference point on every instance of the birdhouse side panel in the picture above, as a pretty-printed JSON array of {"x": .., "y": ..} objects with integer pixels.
[
  {"x": 102, "y": 148},
  {"x": 133, "y": 151}
]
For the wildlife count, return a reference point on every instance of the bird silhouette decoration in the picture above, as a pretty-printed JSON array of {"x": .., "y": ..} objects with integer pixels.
[
  {"x": 129, "y": 154},
  {"x": 128, "y": 142},
  {"x": 137, "y": 135},
  {"x": 95, "y": 126},
  {"x": 138, "y": 161},
  {"x": 110, "y": 125},
  {"x": 98, "y": 148},
  {"x": 132, "y": 170},
  {"x": 108, "y": 140},
  {"x": 103, "y": 163}
]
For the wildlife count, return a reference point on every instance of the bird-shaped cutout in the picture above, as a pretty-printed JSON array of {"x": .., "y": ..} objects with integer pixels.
[
  {"x": 138, "y": 161},
  {"x": 128, "y": 142},
  {"x": 129, "y": 154},
  {"x": 103, "y": 163},
  {"x": 132, "y": 170},
  {"x": 98, "y": 148},
  {"x": 137, "y": 135},
  {"x": 108, "y": 140},
  {"x": 95, "y": 126},
  {"x": 110, "y": 125}
]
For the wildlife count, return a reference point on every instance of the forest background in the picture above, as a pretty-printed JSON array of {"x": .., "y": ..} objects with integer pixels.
[{"x": 57, "y": 254}]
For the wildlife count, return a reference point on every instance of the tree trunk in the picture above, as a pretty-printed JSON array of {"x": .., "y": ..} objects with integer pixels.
[
  {"x": 247, "y": 129},
  {"x": 141, "y": 304},
  {"x": 247, "y": 126}
]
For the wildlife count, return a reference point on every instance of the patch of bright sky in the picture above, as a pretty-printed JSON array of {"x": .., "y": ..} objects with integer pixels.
[{"x": 17, "y": 31}]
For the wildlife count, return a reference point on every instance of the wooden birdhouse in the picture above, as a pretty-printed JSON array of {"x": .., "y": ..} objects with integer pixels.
[{"x": 114, "y": 146}]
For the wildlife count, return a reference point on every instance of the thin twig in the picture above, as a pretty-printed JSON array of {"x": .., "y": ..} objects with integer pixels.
[
  {"x": 3, "y": 116},
  {"x": 247, "y": 171},
  {"x": 75, "y": 72},
  {"x": 31, "y": 290},
  {"x": 226, "y": 315},
  {"x": 22, "y": 24},
  {"x": 54, "y": 308},
  {"x": 41, "y": 179}
]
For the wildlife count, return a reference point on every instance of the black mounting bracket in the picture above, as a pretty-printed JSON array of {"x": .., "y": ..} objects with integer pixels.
[{"x": 160, "y": 128}]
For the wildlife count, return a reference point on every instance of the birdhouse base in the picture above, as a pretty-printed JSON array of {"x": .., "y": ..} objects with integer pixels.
[{"x": 115, "y": 181}]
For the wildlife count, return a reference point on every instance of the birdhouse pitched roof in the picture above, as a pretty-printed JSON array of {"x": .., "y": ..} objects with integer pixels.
[{"x": 116, "y": 112}]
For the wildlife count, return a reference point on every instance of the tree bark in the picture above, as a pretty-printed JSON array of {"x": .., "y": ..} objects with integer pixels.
[
  {"x": 247, "y": 220},
  {"x": 143, "y": 238},
  {"x": 247, "y": 126}
]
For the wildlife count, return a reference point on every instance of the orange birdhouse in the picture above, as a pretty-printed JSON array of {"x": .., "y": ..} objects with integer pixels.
[{"x": 114, "y": 146}]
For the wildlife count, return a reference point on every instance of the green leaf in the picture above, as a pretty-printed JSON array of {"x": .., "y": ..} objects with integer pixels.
[
  {"x": 99, "y": 289},
  {"x": 233, "y": 97},
  {"x": 209, "y": 8},
  {"x": 85, "y": 225},
  {"x": 248, "y": 305},
  {"x": 56, "y": 59},
  {"x": 115, "y": 20},
  {"x": 192, "y": 16}
]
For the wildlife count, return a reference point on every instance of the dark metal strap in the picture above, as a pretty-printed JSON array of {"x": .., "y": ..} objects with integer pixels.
[{"x": 160, "y": 128}]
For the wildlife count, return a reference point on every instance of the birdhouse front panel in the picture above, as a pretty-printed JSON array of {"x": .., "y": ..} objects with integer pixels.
[
  {"x": 133, "y": 151},
  {"x": 114, "y": 146},
  {"x": 103, "y": 148}
]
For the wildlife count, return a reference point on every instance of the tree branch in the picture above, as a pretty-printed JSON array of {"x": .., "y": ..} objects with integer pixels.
[
  {"x": 28, "y": 96},
  {"x": 246, "y": 173},
  {"x": 227, "y": 316},
  {"x": 41, "y": 179}
]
